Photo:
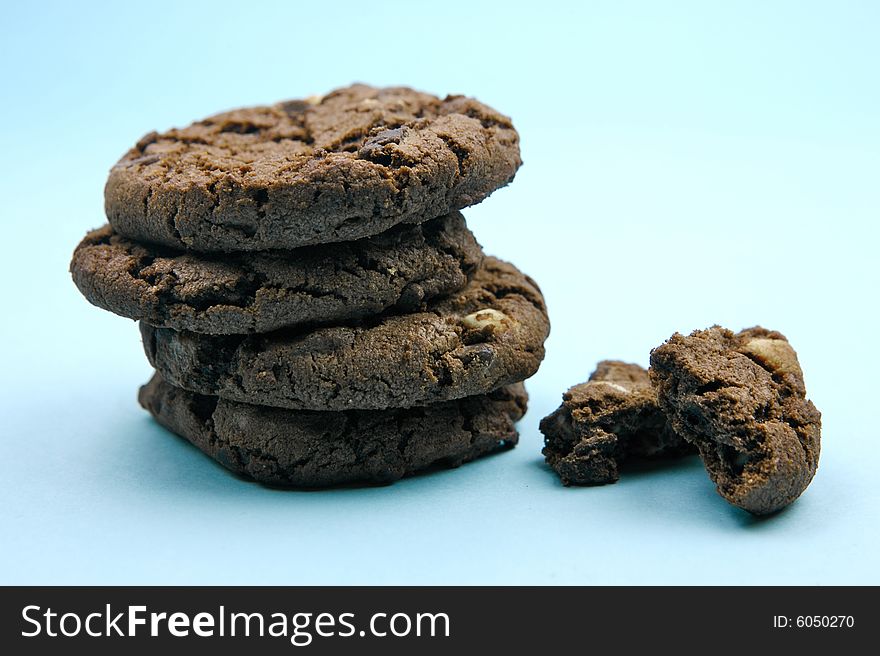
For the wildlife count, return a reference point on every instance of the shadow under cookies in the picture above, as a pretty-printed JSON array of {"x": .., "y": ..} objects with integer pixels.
[{"x": 675, "y": 490}]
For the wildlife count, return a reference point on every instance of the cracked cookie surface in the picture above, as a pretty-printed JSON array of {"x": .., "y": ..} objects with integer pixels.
[
  {"x": 348, "y": 165},
  {"x": 603, "y": 422},
  {"x": 317, "y": 449},
  {"x": 488, "y": 335},
  {"x": 260, "y": 292},
  {"x": 740, "y": 398}
]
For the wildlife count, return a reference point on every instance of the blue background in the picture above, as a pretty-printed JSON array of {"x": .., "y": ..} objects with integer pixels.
[{"x": 685, "y": 164}]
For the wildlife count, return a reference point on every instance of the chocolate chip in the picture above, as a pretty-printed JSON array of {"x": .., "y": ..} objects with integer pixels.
[{"x": 376, "y": 149}]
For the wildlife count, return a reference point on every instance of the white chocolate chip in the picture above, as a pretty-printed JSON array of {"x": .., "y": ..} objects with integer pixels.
[
  {"x": 489, "y": 318},
  {"x": 619, "y": 388},
  {"x": 775, "y": 353},
  {"x": 266, "y": 378},
  {"x": 314, "y": 100}
]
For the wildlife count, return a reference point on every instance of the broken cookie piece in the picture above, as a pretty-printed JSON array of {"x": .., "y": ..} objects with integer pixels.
[
  {"x": 601, "y": 423},
  {"x": 740, "y": 398}
]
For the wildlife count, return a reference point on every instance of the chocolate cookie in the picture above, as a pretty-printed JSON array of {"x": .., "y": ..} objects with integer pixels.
[
  {"x": 489, "y": 335},
  {"x": 316, "y": 449},
  {"x": 601, "y": 423},
  {"x": 260, "y": 292},
  {"x": 741, "y": 399},
  {"x": 349, "y": 165}
]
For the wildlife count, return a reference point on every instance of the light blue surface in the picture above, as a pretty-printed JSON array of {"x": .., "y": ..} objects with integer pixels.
[{"x": 685, "y": 164}]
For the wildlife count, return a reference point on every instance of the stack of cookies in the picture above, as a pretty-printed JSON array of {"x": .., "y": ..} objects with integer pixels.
[{"x": 314, "y": 305}]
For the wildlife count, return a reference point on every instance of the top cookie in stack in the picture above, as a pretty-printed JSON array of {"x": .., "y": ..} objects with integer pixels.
[
  {"x": 347, "y": 165},
  {"x": 304, "y": 266}
]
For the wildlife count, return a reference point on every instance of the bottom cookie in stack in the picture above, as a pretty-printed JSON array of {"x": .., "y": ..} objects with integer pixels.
[{"x": 305, "y": 448}]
